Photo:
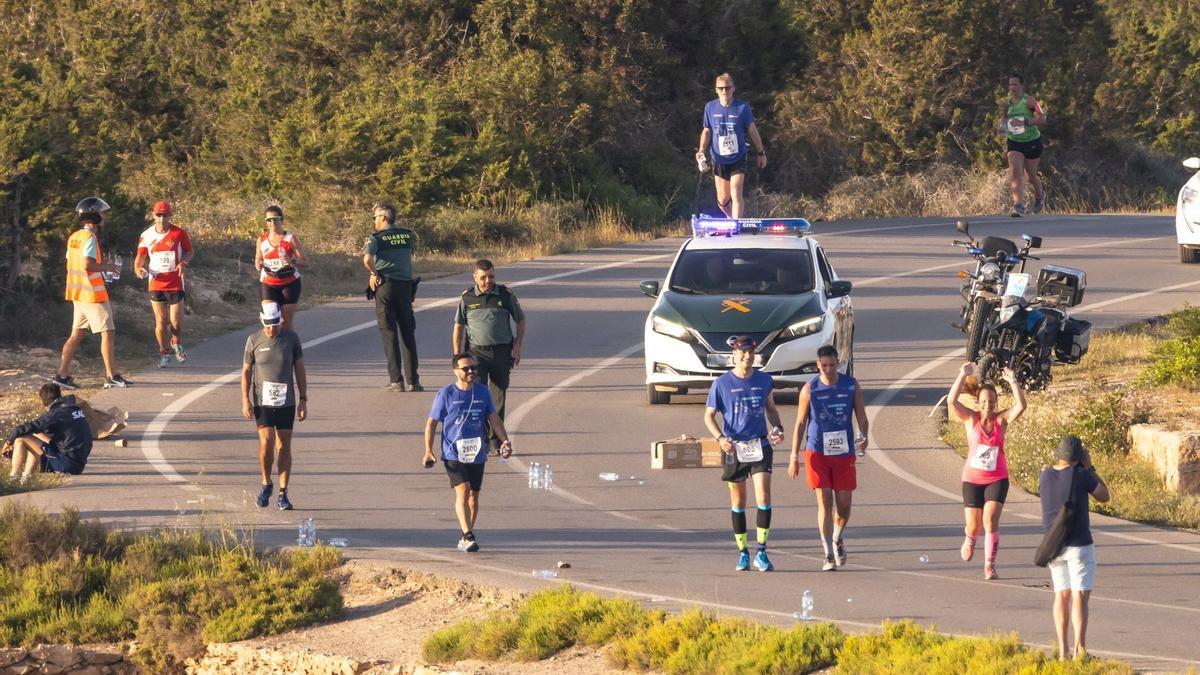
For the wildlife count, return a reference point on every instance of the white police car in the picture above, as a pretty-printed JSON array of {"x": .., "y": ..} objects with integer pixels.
[
  {"x": 1187, "y": 215},
  {"x": 759, "y": 277}
]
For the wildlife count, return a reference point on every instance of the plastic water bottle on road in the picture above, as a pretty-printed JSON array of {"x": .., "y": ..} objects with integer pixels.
[
  {"x": 545, "y": 574},
  {"x": 609, "y": 475},
  {"x": 548, "y": 478},
  {"x": 311, "y": 537},
  {"x": 924, "y": 558},
  {"x": 806, "y": 605},
  {"x": 535, "y": 476}
]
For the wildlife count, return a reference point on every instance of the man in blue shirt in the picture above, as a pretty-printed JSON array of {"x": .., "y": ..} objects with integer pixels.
[
  {"x": 727, "y": 122},
  {"x": 743, "y": 398},
  {"x": 464, "y": 409}
]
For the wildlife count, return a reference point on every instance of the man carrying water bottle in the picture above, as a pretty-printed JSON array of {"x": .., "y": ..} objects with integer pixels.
[
  {"x": 743, "y": 397},
  {"x": 465, "y": 410}
]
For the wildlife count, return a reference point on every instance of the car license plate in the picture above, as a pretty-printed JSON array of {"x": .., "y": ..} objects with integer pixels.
[{"x": 726, "y": 360}]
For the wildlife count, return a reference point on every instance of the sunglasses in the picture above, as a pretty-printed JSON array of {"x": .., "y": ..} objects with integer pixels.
[
  {"x": 724, "y": 88},
  {"x": 469, "y": 369},
  {"x": 271, "y": 219}
]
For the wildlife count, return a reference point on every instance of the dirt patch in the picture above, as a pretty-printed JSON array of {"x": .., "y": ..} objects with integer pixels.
[{"x": 389, "y": 614}]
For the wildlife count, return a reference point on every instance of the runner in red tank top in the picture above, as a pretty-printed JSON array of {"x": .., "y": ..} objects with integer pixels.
[
  {"x": 985, "y": 474},
  {"x": 163, "y": 254},
  {"x": 277, "y": 258}
]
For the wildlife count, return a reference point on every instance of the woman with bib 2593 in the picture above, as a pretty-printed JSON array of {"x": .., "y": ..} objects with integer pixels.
[
  {"x": 1022, "y": 117},
  {"x": 985, "y": 473}
]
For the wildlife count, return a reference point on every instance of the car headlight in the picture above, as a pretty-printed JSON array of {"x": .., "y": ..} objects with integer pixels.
[
  {"x": 989, "y": 271},
  {"x": 671, "y": 329},
  {"x": 805, "y": 327}
]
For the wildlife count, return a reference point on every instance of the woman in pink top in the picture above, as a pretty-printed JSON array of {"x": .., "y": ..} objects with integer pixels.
[{"x": 985, "y": 473}]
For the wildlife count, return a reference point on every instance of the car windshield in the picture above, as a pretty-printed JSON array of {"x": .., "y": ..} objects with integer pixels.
[{"x": 750, "y": 271}]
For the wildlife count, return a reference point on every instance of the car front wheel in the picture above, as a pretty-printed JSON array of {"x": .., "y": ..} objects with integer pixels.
[
  {"x": 656, "y": 397},
  {"x": 1188, "y": 255}
]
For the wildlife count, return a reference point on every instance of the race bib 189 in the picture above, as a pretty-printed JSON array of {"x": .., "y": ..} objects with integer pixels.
[
  {"x": 749, "y": 451},
  {"x": 984, "y": 457},
  {"x": 727, "y": 145},
  {"x": 274, "y": 394},
  {"x": 835, "y": 443},
  {"x": 468, "y": 449}
]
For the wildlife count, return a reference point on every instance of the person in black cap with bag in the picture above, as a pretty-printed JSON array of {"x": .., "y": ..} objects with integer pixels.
[{"x": 1072, "y": 476}]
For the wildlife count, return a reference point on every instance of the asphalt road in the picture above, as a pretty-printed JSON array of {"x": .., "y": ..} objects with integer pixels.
[{"x": 577, "y": 402}]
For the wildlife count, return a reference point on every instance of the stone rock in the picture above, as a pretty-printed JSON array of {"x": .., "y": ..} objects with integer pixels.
[
  {"x": 103, "y": 658},
  {"x": 11, "y": 656},
  {"x": 63, "y": 656},
  {"x": 1175, "y": 455},
  {"x": 88, "y": 670}
]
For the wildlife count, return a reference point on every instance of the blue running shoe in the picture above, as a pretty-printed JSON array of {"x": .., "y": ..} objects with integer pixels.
[
  {"x": 743, "y": 562},
  {"x": 1017, "y": 211},
  {"x": 264, "y": 496},
  {"x": 283, "y": 502},
  {"x": 1038, "y": 205},
  {"x": 762, "y": 562}
]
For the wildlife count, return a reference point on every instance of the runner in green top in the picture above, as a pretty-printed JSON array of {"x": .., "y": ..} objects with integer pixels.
[{"x": 1022, "y": 117}]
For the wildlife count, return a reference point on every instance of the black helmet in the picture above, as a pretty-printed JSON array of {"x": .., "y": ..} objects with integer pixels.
[{"x": 91, "y": 205}]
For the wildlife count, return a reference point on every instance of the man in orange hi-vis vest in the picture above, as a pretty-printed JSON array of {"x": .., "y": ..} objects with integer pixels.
[{"x": 86, "y": 291}]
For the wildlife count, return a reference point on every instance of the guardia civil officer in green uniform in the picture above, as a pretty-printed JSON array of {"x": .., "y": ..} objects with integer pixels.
[
  {"x": 484, "y": 328},
  {"x": 388, "y": 257}
]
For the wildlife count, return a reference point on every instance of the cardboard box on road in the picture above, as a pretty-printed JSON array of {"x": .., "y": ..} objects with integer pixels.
[{"x": 684, "y": 452}]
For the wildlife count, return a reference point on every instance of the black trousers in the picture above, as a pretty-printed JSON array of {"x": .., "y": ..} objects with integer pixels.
[
  {"x": 394, "y": 310},
  {"x": 495, "y": 362}
]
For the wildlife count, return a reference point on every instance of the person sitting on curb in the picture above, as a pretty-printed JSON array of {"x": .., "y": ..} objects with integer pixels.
[{"x": 59, "y": 441}]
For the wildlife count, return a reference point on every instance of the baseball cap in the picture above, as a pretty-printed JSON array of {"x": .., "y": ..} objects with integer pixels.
[
  {"x": 270, "y": 316},
  {"x": 744, "y": 343},
  {"x": 1070, "y": 449},
  {"x": 162, "y": 208}
]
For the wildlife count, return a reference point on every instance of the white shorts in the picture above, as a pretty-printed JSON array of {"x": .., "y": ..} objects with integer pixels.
[{"x": 1075, "y": 569}]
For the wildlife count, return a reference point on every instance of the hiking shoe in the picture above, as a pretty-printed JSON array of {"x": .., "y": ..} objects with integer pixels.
[
  {"x": 1017, "y": 211},
  {"x": 968, "y": 549},
  {"x": 830, "y": 565},
  {"x": 115, "y": 382},
  {"x": 65, "y": 381},
  {"x": 839, "y": 553},
  {"x": 415, "y": 387},
  {"x": 743, "y": 561},
  {"x": 264, "y": 496},
  {"x": 1038, "y": 204},
  {"x": 762, "y": 562},
  {"x": 394, "y": 386},
  {"x": 164, "y": 360},
  {"x": 180, "y": 355},
  {"x": 283, "y": 502},
  {"x": 989, "y": 572}
]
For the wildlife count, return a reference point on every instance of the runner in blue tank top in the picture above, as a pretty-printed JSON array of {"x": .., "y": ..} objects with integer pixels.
[
  {"x": 833, "y": 402},
  {"x": 743, "y": 397}
]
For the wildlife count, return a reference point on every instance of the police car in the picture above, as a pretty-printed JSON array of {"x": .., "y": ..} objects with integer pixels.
[
  {"x": 1187, "y": 215},
  {"x": 765, "y": 278}
]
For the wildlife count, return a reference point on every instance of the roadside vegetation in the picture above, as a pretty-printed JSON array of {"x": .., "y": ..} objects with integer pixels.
[
  {"x": 63, "y": 580},
  {"x": 1145, "y": 373},
  {"x": 696, "y": 642}
]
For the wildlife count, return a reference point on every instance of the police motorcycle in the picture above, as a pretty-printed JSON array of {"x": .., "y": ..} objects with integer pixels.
[
  {"x": 982, "y": 290},
  {"x": 1029, "y": 335}
]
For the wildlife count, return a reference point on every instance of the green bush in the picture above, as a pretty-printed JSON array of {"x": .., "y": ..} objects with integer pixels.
[{"x": 1176, "y": 361}]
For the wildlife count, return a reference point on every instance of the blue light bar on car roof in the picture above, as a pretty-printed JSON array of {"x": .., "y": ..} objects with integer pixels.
[{"x": 703, "y": 226}]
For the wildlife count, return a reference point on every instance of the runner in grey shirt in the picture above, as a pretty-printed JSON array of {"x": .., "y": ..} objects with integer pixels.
[{"x": 274, "y": 395}]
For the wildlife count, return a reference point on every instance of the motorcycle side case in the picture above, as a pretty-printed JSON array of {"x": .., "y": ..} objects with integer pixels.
[
  {"x": 1073, "y": 340},
  {"x": 1061, "y": 286}
]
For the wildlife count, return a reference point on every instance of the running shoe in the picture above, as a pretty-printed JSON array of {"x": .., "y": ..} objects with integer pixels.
[
  {"x": 463, "y": 543},
  {"x": 394, "y": 386},
  {"x": 989, "y": 572},
  {"x": 839, "y": 553},
  {"x": 283, "y": 502},
  {"x": 180, "y": 355},
  {"x": 164, "y": 360},
  {"x": 762, "y": 562},
  {"x": 830, "y": 565},
  {"x": 1038, "y": 204},
  {"x": 743, "y": 561},
  {"x": 65, "y": 381},
  {"x": 472, "y": 545},
  {"x": 1017, "y": 211},
  {"x": 415, "y": 387},
  {"x": 115, "y": 382},
  {"x": 264, "y": 496},
  {"x": 968, "y": 549}
]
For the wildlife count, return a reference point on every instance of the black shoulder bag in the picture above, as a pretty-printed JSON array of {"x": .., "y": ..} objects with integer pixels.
[{"x": 1055, "y": 539}]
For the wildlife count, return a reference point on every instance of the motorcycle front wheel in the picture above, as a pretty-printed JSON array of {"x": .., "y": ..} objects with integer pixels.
[{"x": 976, "y": 324}]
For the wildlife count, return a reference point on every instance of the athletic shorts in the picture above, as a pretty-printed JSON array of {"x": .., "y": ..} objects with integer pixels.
[
  {"x": 736, "y": 472},
  {"x": 94, "y": 316},
  {"x": 275, "y": 418},
  {"x": 727, "y": 171},
  {"x": 52, "y": 460},
  {"x": 169, "y": 297},
  {"x": 1074, "y": 568},
  {"x": 460, "y": 473},
  {"x": 282, "y": 295},
  {"x": 974, "y": 494},
  {"x": 1031, "y": 149},
  {"x": 836, "y": 473}
]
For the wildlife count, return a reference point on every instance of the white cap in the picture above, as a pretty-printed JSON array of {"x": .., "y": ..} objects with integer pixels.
[{"x": 270, "y": 316}]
